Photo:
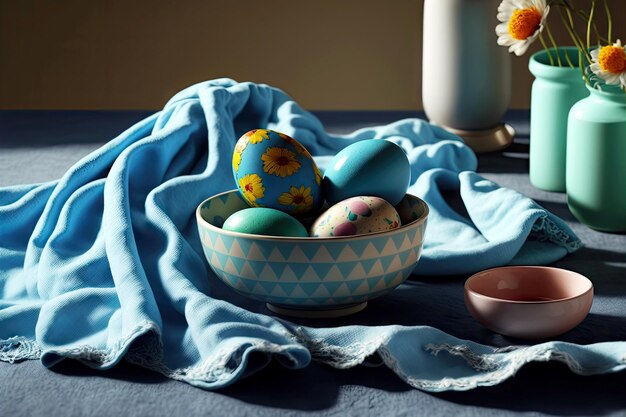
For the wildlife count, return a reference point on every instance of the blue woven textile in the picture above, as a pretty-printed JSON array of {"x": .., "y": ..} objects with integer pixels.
[{"x": 106, "y": 262}]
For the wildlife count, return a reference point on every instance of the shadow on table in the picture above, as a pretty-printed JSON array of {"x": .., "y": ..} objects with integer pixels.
[
  {"x": 124, "y": 371},
  {"x": 514, "y": 160},
  {"x": 611, "y": 329},
  {"x": 315, "y": 387},
  {"x": 559, "y": 209},
  {"x": 549, "y": 388},
  {"x": 605, "y": 268}
]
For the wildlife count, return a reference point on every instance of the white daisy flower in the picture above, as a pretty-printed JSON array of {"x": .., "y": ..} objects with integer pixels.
[
  {"x": 609, "y": 63},
  {"x": 522, "y": 22}
]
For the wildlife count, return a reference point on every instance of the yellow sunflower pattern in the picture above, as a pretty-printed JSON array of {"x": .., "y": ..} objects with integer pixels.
[
  {"x": 280, "y": 161},
  {"x": 252, "y": 187},
  {"x": 239, "y": 148},
  {"x": 257, "y": 135},
  {"x": 299, "y": 198},
  {"x": 236, "y": 160}
]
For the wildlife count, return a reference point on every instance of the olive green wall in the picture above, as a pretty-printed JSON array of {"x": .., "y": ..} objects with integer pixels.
[{"x": 327, "y": 54}]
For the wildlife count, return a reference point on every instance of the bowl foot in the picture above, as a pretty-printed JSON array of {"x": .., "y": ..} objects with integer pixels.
[
  {"x": 487, "y": 140},
  {"x": 340, "y": 311}
]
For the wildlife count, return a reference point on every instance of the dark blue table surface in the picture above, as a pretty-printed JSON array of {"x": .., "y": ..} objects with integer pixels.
[{"x": 38, "y": 146}]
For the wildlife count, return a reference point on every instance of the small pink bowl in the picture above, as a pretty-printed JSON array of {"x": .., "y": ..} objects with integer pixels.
[{"x": 529, "y": 302}]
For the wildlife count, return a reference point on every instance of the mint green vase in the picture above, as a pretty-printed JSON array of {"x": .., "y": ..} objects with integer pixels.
[
  {"x": 596, "y": 160},
  {"x": 554, "y": 92}
]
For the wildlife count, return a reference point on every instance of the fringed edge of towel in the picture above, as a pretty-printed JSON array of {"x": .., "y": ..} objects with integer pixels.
[
  {"x": 503, "y": 363},
  {"x": 222, "y": 366},
  {"x": 488, "y": 370},
  {"x": 19, "y": 348},
  {"x": 340, "y": 357},
  {"x": 143, "y": 347},
  {"x": 546, "y": 229},
  {"x": 216, "y": 371},
  {"x": 491, "y": 368}
]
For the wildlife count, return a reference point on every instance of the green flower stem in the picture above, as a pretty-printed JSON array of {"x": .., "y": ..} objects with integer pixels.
[
  {"x": 585, "y": 17},
  {"x": 582, "y": 67},
  {"x": 569, "y": 61},
  {"x": 564, "y": 4},
  {"x": 609, "y": 21},
  {"x": 569, "y": 16},
  {"x": 579, "y": 45},
  {"x": 589, "y": 21},
  {"x": 556, "y": 47},
  {"x": 545, "y": 46},
  {"x": 572, "y": 32}
]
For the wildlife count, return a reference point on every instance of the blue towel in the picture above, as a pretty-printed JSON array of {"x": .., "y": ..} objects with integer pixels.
[{"x": 106, "y": 262}]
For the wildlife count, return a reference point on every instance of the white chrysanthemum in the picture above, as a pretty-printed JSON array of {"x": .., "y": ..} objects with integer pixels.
[
  {"x": 609, "y": 63},
  {"x": 522, "y": 22}
]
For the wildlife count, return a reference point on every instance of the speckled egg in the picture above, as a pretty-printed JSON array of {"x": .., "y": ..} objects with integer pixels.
[
  {"x": 356, "y": 216},
  {"x": 373, "y": 167},
  {"x": 274, "y": 170},
  {"x": 264, "y": 221}
]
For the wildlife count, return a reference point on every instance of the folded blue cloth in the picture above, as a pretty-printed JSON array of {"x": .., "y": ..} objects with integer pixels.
[{"x": 106, "y": 262}]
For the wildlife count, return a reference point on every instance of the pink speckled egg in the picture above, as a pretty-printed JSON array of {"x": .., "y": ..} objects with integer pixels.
[{"x": 356, "y": 216}]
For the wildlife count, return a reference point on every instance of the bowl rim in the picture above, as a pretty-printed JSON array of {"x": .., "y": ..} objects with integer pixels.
[
  {"x": 475, "y": 276},
  {"x": 201, "y": 221}
]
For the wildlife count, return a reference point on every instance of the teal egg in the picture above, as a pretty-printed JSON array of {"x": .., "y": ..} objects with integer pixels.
[
  {"x": 274, "y": 170},
  {"x": 373, "y": 167},
  {"x": 264, "y": 221}
]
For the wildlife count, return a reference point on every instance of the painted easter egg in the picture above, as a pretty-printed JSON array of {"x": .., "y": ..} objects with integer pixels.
[
  {"x": 274, "y": 170},
  {"x": 264, "y": 221},
  {"x": 356, "y": 216},
  {"x": 370, "y": 167}
]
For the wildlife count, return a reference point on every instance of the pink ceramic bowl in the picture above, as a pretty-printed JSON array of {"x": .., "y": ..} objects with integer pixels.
[{"x": 530, "y": 302}]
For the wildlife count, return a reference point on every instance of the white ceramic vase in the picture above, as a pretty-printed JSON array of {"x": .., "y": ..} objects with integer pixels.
[{"x": 466, "y": 82}]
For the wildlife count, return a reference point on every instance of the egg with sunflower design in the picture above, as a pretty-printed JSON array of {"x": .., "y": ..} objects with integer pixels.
[{"x": 274, "y": 170}]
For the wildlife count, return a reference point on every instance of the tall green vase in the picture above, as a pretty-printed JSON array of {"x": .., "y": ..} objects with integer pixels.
[
  {"x": 596, "y": 160},
  {"x": 554, "y": 92}
]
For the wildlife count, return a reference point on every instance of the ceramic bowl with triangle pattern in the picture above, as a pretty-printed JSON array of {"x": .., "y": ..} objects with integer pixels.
[{"x": 311, "y": 277}]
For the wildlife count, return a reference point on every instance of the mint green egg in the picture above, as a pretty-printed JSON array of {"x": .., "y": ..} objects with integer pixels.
[{"x": 264, "y": 221}]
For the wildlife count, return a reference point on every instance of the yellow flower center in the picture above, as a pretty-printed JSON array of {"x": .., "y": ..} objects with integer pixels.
[
  {"x": 252, "y": 187},
  {"x": 524, "y": 22},
  {"x": 280, "y": 161},
  {"x": 299, "y": 197},
  {"x": 612, "y": 59}
]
